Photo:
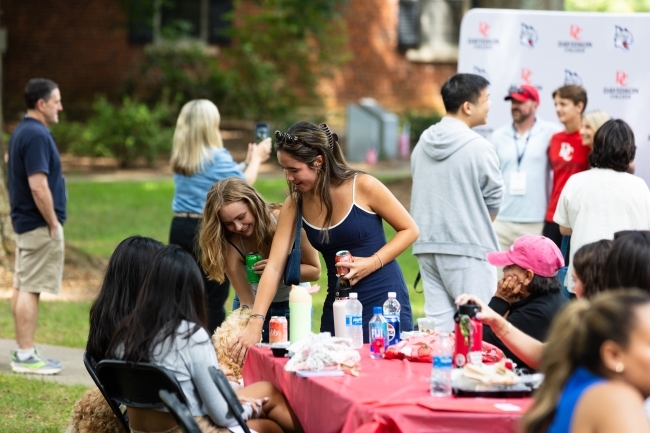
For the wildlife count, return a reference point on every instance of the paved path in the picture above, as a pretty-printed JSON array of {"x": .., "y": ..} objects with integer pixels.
[{"x": 74, "y": 372}]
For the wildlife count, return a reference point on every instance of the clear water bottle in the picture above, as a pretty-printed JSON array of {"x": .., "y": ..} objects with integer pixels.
[
  {"x": 442, "y": 366},
  {"x": 378, "y": 333},
  {"x": 354, "y": 321},
  {"x": 392, "y": 310}
]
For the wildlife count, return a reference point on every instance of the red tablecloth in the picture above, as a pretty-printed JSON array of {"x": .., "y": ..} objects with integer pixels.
[{"x": 388, "y": 396}]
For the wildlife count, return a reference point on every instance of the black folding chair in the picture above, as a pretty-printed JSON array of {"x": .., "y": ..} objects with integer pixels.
[
  {"x": 138, "y": 385},
  {"x": 180, "y": 411},
  {"x": 228, "y": 393},
  {"x": 123, "y": 418}
]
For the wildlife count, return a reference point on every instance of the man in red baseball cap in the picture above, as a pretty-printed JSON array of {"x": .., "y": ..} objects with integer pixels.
[{"x": 522, "y": 149}]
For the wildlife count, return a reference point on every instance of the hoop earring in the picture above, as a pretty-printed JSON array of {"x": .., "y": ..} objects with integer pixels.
[{"x": 619, "y": 367}]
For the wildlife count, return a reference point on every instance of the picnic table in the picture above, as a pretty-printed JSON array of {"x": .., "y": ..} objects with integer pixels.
[{"x": 388, "y": 396}]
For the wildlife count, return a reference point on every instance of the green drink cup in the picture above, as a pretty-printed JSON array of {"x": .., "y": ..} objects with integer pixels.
[{"x": 251, "y": 259}]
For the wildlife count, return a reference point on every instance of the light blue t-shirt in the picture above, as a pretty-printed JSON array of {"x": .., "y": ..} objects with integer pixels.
[
  {"x": 532, "y": 147},
  {"x": 190, "y": 191}
]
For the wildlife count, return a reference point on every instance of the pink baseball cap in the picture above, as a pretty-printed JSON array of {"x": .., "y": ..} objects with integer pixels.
[{"x": 537, "y": 253}]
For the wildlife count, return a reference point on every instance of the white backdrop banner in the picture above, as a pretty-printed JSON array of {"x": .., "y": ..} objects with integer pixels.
[{"x": 608, "y": 54}]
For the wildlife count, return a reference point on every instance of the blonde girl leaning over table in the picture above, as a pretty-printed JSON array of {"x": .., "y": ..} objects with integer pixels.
[
  {"x": 238, "y": 221},
  {"x": 199, "y": 159},
  {"x": 342, "y": 209},
  {"x": 596, "y": 368}
]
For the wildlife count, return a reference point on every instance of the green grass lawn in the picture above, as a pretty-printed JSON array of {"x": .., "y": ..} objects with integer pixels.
[
  {"x": 32, "y": 405},
  {"x": 101, "y": 214}
]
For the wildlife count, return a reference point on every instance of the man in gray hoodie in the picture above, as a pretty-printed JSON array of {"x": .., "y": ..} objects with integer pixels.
[{"x": 457, "y": 191}]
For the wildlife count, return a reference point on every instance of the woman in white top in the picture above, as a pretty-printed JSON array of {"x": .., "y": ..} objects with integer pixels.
[
  {"x": 167, "y": 328},
  {"x": 599, "y": 202}
]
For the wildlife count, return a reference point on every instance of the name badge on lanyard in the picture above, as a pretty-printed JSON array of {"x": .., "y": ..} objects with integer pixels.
[
  {"x": 518, "y": 178},
  {"x": 518, "y": 183}
]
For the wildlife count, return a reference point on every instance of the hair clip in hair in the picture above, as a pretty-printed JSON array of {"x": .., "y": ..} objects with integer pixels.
[{"x": 331, "y": 136}]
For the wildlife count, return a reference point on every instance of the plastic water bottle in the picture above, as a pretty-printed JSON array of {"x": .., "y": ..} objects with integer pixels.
[
  {"x": 354, "y": 321},
  {"x": 378, "y": 332},
  {"x": 391, "y": 313},
  {"x": 442, "y": 366}
]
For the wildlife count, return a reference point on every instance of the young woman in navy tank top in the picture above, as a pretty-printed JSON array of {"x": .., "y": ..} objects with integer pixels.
[{"x": 342, "y": 209}]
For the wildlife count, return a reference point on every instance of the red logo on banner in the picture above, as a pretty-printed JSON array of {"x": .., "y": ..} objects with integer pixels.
[
  {"x": 525, "y": 75},
  {"x": 621, "y": 78},
  {"x": 575, "y": 32},
  {"x": 483, "y": 29}
]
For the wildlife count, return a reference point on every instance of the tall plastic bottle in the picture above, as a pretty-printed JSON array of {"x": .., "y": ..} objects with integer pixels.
[
  {"x": 442, "y": 365},
  {"x": 378, "y": 333},
  {"x": 354, "y": 321},
  {"x": 300, "y": 312},
  {"x": 392, "y": 310},
  {"x": 342, "y": 293}
]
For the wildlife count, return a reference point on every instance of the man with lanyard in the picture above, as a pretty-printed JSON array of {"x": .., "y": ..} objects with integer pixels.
[{"x": 522, "y": 149}]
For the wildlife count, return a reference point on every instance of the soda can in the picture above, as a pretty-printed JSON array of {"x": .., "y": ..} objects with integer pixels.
[
  {"x": 343, "y": 257},
  {"x": 278, "y": 330},
  {"x": 394, "y": 335},
  {"x": 251, "y": 259}
]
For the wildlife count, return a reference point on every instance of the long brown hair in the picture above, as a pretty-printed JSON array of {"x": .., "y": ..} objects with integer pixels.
[
  {"x": 311, "y": 141},
  {"x": 575, "y": 339},
  {"x": 213, "y": 236}
]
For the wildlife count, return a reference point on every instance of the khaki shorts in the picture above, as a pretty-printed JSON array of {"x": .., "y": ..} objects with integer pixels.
[{"x": 39, "y": 261}]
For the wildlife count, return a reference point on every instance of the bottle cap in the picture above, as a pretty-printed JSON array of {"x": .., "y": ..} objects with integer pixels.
[
  {"x": 470, "y": 309},
  {"x": 299, "y": 294},
  {"x": 392, "y": 295},
  {"x": 354, "y": 295},
  {"x": 377, "y": 310}
]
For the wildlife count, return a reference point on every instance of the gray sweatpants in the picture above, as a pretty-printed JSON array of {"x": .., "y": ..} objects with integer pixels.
[{"x": 446, "y": 276}]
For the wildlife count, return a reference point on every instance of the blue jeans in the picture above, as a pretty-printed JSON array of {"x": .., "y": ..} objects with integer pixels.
[{"x": 275, "y": 309}]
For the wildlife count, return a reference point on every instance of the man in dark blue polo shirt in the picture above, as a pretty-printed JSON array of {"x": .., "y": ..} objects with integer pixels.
[{"x": 38, "y": 197}]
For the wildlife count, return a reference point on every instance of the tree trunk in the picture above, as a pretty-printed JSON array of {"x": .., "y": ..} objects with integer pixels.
[{"x": 6, "y": 230}]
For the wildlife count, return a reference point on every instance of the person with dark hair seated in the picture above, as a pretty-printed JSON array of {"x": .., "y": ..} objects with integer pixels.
[
  {"x": 628, "y": 264},
  {"x": 119, "y": 290},
  {"x": 599, "y": 202},
  {"x": 529, "y": 293},
  {"x": 588, "y": 264},
  {"x": 167, "y": 327}
]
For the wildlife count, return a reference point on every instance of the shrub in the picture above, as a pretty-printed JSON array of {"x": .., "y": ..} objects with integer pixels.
[
  {"x": 126, "y": 132},
  {"x": 420, "y": 122}
]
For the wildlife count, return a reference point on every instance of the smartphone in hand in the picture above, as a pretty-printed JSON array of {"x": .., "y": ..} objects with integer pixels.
[{"x": 262, "y": 131}]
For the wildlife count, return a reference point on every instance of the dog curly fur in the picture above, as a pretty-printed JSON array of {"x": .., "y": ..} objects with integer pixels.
[
  {"x": 92, "y": 414},
  {"x": 224, "y": 335}
]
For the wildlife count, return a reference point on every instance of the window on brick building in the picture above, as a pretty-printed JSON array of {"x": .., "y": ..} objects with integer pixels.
[
  {"x": 437, "y": 26},
  {"x": 203, "y": 20}
]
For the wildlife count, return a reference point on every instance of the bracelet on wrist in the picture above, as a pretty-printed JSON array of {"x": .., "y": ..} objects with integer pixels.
[
  {"x": 380, "y": 261},
  {"x": 501, "y": 334},
  {"x": 258, "y": 316}
]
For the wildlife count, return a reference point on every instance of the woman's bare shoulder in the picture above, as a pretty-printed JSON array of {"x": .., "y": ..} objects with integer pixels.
[{"x": 611, "y": 405}]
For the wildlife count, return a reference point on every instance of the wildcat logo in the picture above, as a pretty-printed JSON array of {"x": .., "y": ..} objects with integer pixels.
[
  {"x": 482, "y": 72},
  {"x": 528, "y": 36},
  {"x": 622, "y": 90},
  {"x": 572, "y": 78},
  {"x": 566, "y": 152},
  {"x": 622, "y": 38},
  {"x": 483, "y": 29},
  {"x": 575, "y": 44},
  {"x": 525, "y": 75},
  {"x": 483, "y": 42}
]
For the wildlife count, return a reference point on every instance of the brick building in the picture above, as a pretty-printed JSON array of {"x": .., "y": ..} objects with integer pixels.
[{"x": 84, "y": 45}]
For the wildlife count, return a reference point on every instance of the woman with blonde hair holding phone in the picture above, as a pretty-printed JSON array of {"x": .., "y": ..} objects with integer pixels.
[{"x": 198, "y": 160}]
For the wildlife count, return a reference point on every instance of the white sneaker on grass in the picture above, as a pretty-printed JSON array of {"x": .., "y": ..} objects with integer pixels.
[{"x": 35, "y": 364}]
